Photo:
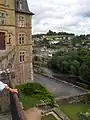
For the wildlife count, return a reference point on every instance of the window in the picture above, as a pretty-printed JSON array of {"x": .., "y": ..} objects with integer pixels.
[
  {"x": 2, "y": 41},
  {"x": 2, "y": 18},
  {"x": 21, "y": 21},
  {"x": 6, "y": 2},
  {"x": 9, "y": 39},
  {"x": 21, "y": 39},
  {"x": 22, "y": 56},
  {"x": 20, "y": 6}
]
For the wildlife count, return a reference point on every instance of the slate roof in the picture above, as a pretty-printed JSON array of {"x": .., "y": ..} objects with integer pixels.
[{"x": 25, "y": 8}]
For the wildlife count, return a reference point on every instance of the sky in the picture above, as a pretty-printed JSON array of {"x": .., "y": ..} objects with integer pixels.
[{"x": 60, "y": 15}]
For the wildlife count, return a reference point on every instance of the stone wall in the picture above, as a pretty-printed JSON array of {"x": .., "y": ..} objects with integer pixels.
[
  {"x": 24, "y": 70},
  {"x": 9, "y": 26},
  {"x": 76, "y": 80},
  {"x": 80, "y": 98},
  {"x": 6, "y": 61}
]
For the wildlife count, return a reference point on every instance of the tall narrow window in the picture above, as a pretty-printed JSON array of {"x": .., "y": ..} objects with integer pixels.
[
  {"x": 6, "y": 2},
  {"x": 2, "y": 41},
  {"x": 21, "y": 39},
  {"x": 21, "y": 21},
  {"x": 20, "y": 6},
  {"x": 9, "y": 39},
  {"x": 22, "y": 56},
  {"x": 2, "y": 18}
]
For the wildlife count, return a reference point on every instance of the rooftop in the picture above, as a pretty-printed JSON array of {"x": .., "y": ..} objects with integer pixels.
[{"x": 22, "y": 7}]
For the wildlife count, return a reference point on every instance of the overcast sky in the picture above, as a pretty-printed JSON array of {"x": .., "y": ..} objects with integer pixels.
[{"x": 61, "y": 15}]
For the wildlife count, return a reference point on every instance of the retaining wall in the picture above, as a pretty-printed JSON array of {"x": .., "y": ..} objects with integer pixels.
[{"x": 80, "y": 98}]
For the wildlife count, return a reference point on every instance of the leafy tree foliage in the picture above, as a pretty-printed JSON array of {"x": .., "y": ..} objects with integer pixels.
[
  {"x": 59, "y": 33},
  {"x": 75, "y": 63},
  {"x": 84, "y": 116},
  {"x": 38, "y": 91}
]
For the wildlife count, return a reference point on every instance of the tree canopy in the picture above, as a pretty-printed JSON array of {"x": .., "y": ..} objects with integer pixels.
[{"x": 76, "y": 62}]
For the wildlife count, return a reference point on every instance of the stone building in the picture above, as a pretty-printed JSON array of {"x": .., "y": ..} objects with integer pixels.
[
  {"x": 23, "y": 22},
  {"x": 15, "y": 42},
  {"x": 16, "y": 33},
  {"x": 7, "y": 25},
  {"x": 7, "y": 40}
]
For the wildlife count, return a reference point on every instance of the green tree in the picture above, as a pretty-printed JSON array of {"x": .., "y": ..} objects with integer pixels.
[
  {"x": 72, "y": 70},
  {"x": 76, "y": 66},
  {"x": 85, "y": 72},
  {"x": 76, "y": 62},
  {"x": 45, "y": 42},
  {"x": 64, "y": 67}
]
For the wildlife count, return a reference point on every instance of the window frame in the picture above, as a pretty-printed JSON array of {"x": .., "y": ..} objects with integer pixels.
[
  {"x": 2, "y": 18},
  {"x": 21, "y": 21},
  {"x": 21, "y": 41},
  {"x": 2, "y": 34},
  {"x": 6, "y": 2},
  {"x": 22, "y": 56},
  {"x": 20, "y": 5},
  {"x": 9, "y": 39}
]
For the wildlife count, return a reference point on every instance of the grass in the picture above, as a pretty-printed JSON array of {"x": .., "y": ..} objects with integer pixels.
[
  {"x": 71, "y": 110},
  {"x": 32, "y": 94},
  {"x": 49, "y": 117},
  {"x": 29, "y": 102}
]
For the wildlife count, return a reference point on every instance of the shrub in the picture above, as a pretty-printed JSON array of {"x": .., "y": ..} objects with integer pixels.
[{"x": 38, "y": 91}]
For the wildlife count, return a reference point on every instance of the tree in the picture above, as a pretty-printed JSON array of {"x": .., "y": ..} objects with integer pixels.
[
  {"x": 87, "y": 60},
  {"x": 76, "y": 63},
  {"x": 85, "y": 72},
  {"x": 76, "y": 39},
  {"x": 45, "y": 42},
  {"x": 50, "y": 32},
  {"x": 72, "y": 70},
  {"x": 64, "y": 67},
  {"x": 52, "y": 62},
  {"x": 59, "y": 53}
]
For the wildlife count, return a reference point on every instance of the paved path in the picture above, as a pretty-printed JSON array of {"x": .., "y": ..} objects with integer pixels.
[{"x": 58, "y": 89}]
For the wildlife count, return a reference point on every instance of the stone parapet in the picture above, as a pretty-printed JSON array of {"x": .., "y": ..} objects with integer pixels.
[{"x": 79, "y": 98}]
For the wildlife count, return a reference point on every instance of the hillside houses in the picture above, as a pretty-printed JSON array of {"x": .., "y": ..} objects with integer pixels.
[{"x": 45, "y": 45}]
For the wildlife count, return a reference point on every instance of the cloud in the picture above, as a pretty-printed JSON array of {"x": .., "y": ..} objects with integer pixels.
[{"x": 66, "y": 15}]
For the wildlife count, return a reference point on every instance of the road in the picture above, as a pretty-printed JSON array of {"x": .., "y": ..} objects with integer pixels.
[{"x": 58, "y": 89}]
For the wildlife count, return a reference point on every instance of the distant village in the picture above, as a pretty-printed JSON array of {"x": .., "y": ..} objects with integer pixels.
[{"x": 45, "y": 45}]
